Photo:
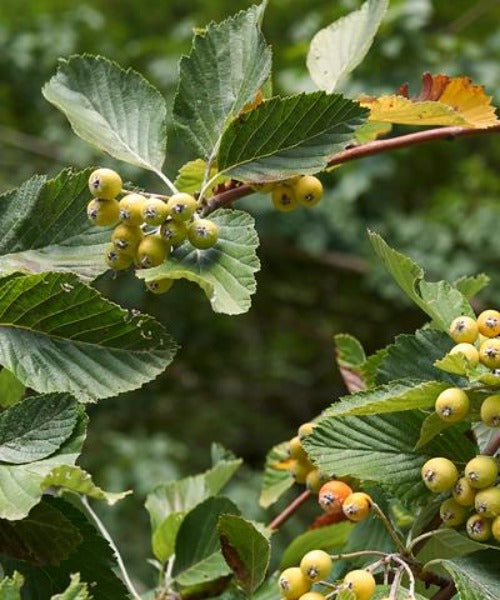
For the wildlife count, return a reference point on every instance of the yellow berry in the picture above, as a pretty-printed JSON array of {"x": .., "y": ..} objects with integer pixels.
[
  {"x": 308, "y": 190},
  {"x": 117, "y": 259},
  {"x": 295, "y": 448},
  {"x": 361, "y": 583},
  {"x": 439, "y": 474},
  {"x": 174, "y": 232},
  {"x": 159, "y": 286},
  {"x": 152, "y": 251},
  {"x": 312, "y": 596},
  {"x": 127, "y": 238},
  {"x": 487, "y": 502},
  {"x": 452, "y": 513},
  {"x": 495, "y": 528},
  {"x": 316, "y": 565},
  {"x": 464, "y": 493},
  {"x": 481, "y": 472},
  {"x": 478, "y": 528},
  {"x": 293, "y": 583},
  {"x": 154, "y": 211},
  {"x": 489, "y": 353},
  {"x": 131, "y": 207},
  {"x": 314, "y": 480},
  {"x": 490, "y": 411},
  {"x": 182, "y": 206},
  {"x": 489, "y": 323},
  {"x": 284, "y": 198},
  {"x": 203, "y": 233},
  {"x": 452, "y": 405},
  {"x": 301, "y": 469},
  {"x": 105, "y": 183},
  {"x": 464, "y": 329},
  {"x": 470, "y": 352},
  {"x": 103, "y": 212},
  {"x": 357, "y": 506}
]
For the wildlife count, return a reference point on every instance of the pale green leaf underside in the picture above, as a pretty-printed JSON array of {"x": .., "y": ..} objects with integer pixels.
[
  {"x": 44, "y": 227},
  {"x": 67, "y": 478},
  {"x": 227, "y": 65},
  {"x": 338, "y": 49},
  {"x": 470, "y": 286},
  {"x": 164, "y": 536},
  {"x": 76, "y": 590},
  {"x": 114, "y": 109},
  {"x": 288, "y": 136},
  {"x": 59, "y": 335},
  {"x": 191, "y": 175},
  {"x": 20, "y": 485},
  {"x": 226, "y": 272},
  {"x": 10, "y": 587},
  {"x": 36, "y": 428},
  {"x": 275, "y": 481}
]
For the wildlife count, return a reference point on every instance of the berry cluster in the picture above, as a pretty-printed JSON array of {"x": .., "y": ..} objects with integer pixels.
[
  {"x": 478, "y": 339},
  {"x": 337, "y": 497},
  {"x": 315, "y": 566},
  {"x": 453, "y": 404},
  {"x": 476, "y": 490},
  {"x": 301, "y": 468},
  {"x": 150, "y": 227},
  {"x": 287, "y": 195}
]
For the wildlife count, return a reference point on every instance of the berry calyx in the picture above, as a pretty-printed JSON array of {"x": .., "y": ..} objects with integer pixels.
[
  {"x": 152, "y": 251},
  {"x": 470, "y": 352},
  {"x": 489, "y": 353},
  {"x": 284, "y": 198},
  {"x": 116, "y": 259},
  {"x": 332, "y": 495},
  {"x": 361, "y": 583},
  {"x": 357, "y": 506},
  {"x": 439, "y": 474},
  {"x": 308, "y": 190},
  {"x": 103, "y": 212},
  {"x": 105, "y": 183},
  {"x": 464, "y": 330},
  {"x": 452, "y": 405},
  {"x": 159, "y": 286},
  {"x": 487, "y": 502},
  {"x": 203, "y": 233},
  {"x": 452, "y": 513},
  {"x": 488, "y": 323},
  {"x": 490, "y": 411},
  {"x": 154, "y": 211},
  {"x": 464, "y": 493},
  {"x": 127, "y": 238},
  {"x": 316, "y": 565},
  {"x": 131, "y": 207},
  {"x": 296, "y": 450},
  {"x": 293, "y": 583},
  {"x": 181, "y": 207},
  {"x": 174, "y": 232},
  {"x": 481, "y": 472},
  {"x": 478, "y": 528},
  {"x": 305, "y": 429}
]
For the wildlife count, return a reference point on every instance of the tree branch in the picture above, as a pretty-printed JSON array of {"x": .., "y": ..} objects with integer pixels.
[{"x": 288, "y": 511}]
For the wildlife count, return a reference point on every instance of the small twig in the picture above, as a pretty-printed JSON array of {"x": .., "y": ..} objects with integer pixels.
[
  {"x": 423, "y": 537},
  {"x": 395, "y": 584},
  {"x": 166, "y": 180},
  {"x": 288, "y": 511},
  {"x": 149, "y": 194},
  {"x": 409, "y": 572},
  {"x": 390, "y": 529},
  {"x": 445, "y": 593},
  {"x": 107, "y": 536},
  {"x": 349, "y": 555}
]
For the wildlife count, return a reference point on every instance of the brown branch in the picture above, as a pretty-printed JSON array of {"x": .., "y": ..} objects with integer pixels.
[
  {"x": 288, "y": 511},
  {"x": 445, "y": 593},
  {"x": 494, "y": 445},
  {"x": 369, "y": 149}
]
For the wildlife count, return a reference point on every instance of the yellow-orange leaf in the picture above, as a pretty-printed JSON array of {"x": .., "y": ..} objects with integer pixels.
[
  {"x": 284, "y": 465},
  {"x": 470, "y": 101}
]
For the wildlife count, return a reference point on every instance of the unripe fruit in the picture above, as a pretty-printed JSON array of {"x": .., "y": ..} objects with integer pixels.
[
  {"x": 481, "y": 472},
  {"x": 452, "y": 513},
  {"x": 439, "y": 474},
  {"x": 182, "y": 206},
  {"x": 152, "y": 251},
  {"x": 174, "y": 232},
  {"x": 203, "y": 233},
  {"x": 312, "y": 596},
  {"x": 478, "y": 528},
  {"x": 314, "y": 480},
  {"x": 300, "y": 470},
  {"x": 103, "y": 212},
  {"x": 316, "y": 565},
  {"x": 490, "y": 411},
  {"x": 332, "y": 495},
  {"x": 131, "y": 207},
  {"x": 452, "y": 405},
  {"x": 488, "y": 323},
  {"x": 116, "y": 259},
  {"x": 470, "y": 352},
  {"x": 464, "y": 329},
  {"x": 357, "y": 506},
  {"x": 127, "y": 238},
  {"x": 464, "y": 493},
  {"x": 305, "y": 429},
  {"x": 105, "y": 183},
  {"x": 487, "y": 502},
  {"x": 154, "y": 211},
  {"x": 495, "y": 528},
  {"x": 284, "y": 198},
  {"x": 159, "y": 286},
  {"x": 308, "y": 190},
  {"x": 295, "y": 449},
  {"x": 361, "y": 583},
  {"x": 489, "y": 354},
  {"x": 293, "y": 583}
]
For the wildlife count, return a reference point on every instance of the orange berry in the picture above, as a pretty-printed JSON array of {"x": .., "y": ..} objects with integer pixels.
[{"x": 332, "y": 495}]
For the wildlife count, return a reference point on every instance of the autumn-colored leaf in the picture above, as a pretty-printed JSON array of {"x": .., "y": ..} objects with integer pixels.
[
  {"x": 259, "y": 99},
  {"x": 283, "y": 465}
]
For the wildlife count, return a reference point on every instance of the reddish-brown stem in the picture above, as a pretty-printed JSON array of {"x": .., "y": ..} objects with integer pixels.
[
  {"x": 289, "y": 510},
  {"x": 369, "y": 149},
  {"x": 445, "y": 593}
]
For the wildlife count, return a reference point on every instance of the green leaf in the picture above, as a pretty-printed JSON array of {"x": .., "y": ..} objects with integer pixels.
[
  {"x": 36, "y": 427},
  {"x": 44, "y": 537},
  {"x": 370, "y": 447},
  {"x": 371, "y": 130},
  {"x": 382, "y": 593},
  {"x": 449, "y": 543},
  {"x": 198, "y": 557},
  {"x": 190, "y": 177},
  {"x": 432, "y": 425},
  {"x": 471, "y": 286},
  {"x": 75, "y": 591},
  {"x": 227, "y": 65},
  {"x": 63, "y": 239},
  {"x": 115, "y": 110},
  {"x": 20, "y": 485},
  {"x": 392, "y": 397},
  {"x": 306, "y": 130},
  {"x": 440, "y": 300},
  {"x": 329, "y": 538},
  {"x": 369, "y": 368},
  {"x": 11, "y": 389},
  {"x": 276, "y": 480},
  {"x": 476, "y": 577},
  {"x": 67, "y": 478},
  {"x": 246, "y": 550},
  {"x": 93, "y": 559},
  {"x": 10, "y": 587},
  {"x": 226, "y": 272},
  {"x": 350, "y": 352},
  {"x": 165, "y": 534},
  {"x": 59, "y": 335}
]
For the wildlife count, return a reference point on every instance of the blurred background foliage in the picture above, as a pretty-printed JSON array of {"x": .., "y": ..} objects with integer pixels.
[{"x": 249, "y": 381}]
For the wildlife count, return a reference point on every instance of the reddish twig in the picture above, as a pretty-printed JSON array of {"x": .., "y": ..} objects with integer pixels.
[
  {"x": 446, "y": 592},
  {"x": 287, "y": 512}
]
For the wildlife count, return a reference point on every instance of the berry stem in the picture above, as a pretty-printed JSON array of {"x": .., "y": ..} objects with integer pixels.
[
  {"x": 409, "y": 572},
  {"x": 150, "y": 194},
  {"x": 289, "y": 510},
  {"x": 349, "y": 555},
  {"x": 166, "y": 181},
  {"x": 390, "y": 529},
  {"x": 423, "y": 537}
]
